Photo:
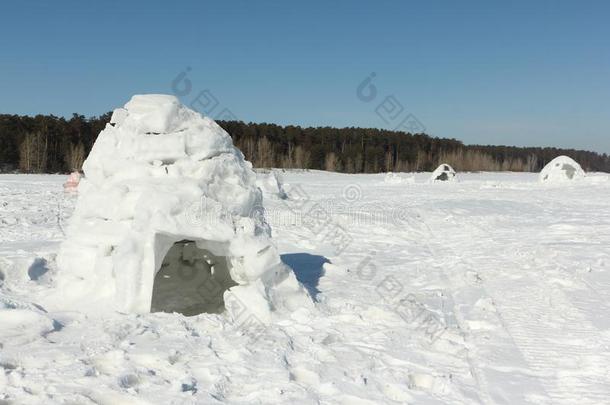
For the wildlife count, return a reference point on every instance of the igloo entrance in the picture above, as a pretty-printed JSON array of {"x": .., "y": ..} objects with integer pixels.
[{"x": 191, "y": 281}]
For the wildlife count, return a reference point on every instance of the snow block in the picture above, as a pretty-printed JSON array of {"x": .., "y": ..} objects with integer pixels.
[{"x": 167, "y": 198}]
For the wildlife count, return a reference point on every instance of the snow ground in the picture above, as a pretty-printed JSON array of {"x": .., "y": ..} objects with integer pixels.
[{"x": 491, "y": 290}]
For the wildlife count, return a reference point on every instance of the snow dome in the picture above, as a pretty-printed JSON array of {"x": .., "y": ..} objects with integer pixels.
[
  {"x": 169, "y": 218},
  {"x": 560, "y": 169},
  {"x": 443, "y": 173}
]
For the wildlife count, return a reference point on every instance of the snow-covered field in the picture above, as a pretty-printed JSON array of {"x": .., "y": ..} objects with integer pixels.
[{"x": 492, "y": 290}]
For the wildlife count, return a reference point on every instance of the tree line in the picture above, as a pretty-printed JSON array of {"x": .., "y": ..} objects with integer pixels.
[{"x": 50, "y": 144}]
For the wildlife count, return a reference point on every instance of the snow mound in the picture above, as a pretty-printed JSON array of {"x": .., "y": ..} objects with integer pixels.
[
  {"x": 272, "y": 185},
  {"x": 443, "y": 173},
  {"x": 162, "y": 177},
  {"x": 397, "y": 178},
  {"x": 392, "y": 178},
  {"x": 21, "y": 326},
  {"x": 561, "y": 169}
]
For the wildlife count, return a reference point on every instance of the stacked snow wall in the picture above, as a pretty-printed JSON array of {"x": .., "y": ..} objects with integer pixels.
[{"x": 165, "y": 187}]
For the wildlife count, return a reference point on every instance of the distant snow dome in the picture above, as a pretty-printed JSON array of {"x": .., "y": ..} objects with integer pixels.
[
  {"x": 561, "y": 169},
  {"x": 443, "y": 173},
  {"x": 272, "y": 184},
  {"x": 168, "y": 219}
]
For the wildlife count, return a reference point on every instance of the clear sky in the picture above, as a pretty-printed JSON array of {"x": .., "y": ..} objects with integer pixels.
[{"x": 491, "y": 72}]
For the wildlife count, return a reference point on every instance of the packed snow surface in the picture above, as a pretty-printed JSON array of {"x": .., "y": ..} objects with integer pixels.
[
  {"x": 561, "y": 169},
  {"x": 491, "y": 290}
]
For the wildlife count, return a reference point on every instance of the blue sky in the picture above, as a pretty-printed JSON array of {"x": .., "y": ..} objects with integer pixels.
[{"x": 516, "y": 73}]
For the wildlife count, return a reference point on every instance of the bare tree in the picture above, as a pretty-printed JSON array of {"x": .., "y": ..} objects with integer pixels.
[
  {"x": 302, "y": 157},
  {"x": 33, "y": 153},
  {"x": 288, "y": 160},
  {"x": 388, "y": 162},
  {"x": 331, "y": 162},
  {"x": 75, "y": 156},
  {"x": 265, "y": 157},
  {"x": 532, "y": 163},
  {"x": 474, "y": 160}
]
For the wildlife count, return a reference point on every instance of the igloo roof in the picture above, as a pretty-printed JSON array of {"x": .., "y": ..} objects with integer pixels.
[
  {"x": 155, "y": 136},
  {"x": 443, "y": 172},
  {"x": 561, "y": 169},
  {"x": 158, "y": 174}
]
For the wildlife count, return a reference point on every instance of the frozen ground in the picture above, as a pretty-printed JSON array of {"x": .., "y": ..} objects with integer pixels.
[{"x": 492, "y": 290}]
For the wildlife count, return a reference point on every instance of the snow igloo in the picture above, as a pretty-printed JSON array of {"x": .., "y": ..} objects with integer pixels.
[
  {"x": 443, "y": 173},
  {"x": 561, "y": 169},
  {"x": 169, "y": 219}
]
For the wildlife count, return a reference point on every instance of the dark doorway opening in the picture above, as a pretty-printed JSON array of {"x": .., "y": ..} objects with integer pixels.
[{"x": 191, "y": 281}]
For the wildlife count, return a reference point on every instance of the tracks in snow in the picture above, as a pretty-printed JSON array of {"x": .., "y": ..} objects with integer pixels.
[
  {"x": 558, "y": 342},
  {"x": 563, "y": 353}
]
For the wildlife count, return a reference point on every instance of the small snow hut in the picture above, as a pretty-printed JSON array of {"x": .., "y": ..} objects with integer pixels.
[
  {"x": 168, "y": 219},
  {"x": 443, "y": 173},
  {"x": 561, "y": 169}
]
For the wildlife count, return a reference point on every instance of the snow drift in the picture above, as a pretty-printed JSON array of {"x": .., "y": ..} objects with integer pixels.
[
  {"x": 561, "y": 169},
  {"x": 272, "y": 185},
  {"x": 443, "y": 173},
  {"x": 164, "y": 187},
  {"x": 392, "y": 178}
]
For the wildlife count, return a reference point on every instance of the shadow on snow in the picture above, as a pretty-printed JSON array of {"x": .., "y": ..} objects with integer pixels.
[{"x": 308, "y": 270}]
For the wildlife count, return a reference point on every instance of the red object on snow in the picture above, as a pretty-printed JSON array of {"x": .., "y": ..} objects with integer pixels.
[{"x": 72, "y": 183}]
